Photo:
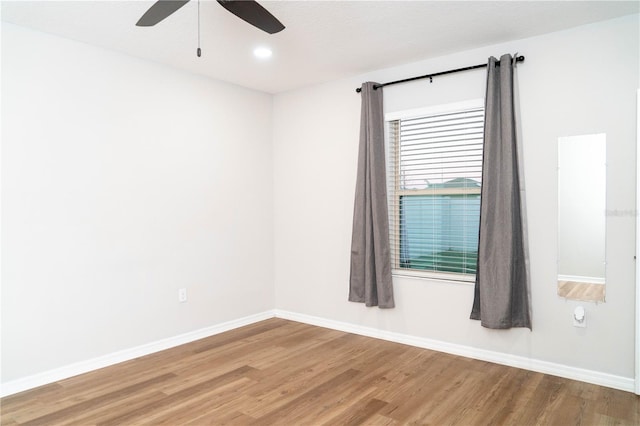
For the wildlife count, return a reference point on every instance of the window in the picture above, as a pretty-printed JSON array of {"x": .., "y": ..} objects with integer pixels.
[{"x": 434, "y": 176}]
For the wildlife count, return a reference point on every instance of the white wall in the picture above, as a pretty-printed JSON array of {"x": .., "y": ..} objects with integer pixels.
[
  {"x": 579, "y": 81},
  {"x": 123, "y": 181}
]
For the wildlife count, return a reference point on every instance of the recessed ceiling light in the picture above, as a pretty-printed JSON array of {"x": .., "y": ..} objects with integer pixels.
[{"x": 262, "y": 52}]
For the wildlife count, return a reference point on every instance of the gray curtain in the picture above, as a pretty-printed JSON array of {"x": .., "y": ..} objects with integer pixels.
[
  {"x": 502, "y": 287},
  {"x": 370, "y": 280}
]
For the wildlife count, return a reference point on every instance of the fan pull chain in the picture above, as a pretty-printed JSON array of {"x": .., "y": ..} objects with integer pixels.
[{"x": 199, "y": 52}]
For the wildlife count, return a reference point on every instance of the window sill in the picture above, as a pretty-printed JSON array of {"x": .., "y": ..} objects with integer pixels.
[{"x": 443, "y": 277}]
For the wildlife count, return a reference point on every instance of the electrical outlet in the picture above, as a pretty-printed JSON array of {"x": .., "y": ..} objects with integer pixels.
[
  {"x": 182, "y": 295},
  {"x": 580, "y": 317}
]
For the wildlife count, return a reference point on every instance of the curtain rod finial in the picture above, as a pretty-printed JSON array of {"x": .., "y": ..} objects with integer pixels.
[{"x": 375, "y": 87}]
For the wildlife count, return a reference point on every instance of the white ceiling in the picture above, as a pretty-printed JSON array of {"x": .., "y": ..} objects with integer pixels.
[{"x": 323, "y": 40}]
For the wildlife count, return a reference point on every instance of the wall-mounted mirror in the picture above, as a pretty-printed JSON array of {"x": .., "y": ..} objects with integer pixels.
[{"x": 582, "y": 182}]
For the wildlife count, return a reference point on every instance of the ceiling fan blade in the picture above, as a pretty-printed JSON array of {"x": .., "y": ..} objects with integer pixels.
[
  {"x": 160, "y": 10},
  {"x": 253, "y": 13}
]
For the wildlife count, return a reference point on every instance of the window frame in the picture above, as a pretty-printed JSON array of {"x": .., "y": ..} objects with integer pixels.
[{"x": 395, "y": 192}]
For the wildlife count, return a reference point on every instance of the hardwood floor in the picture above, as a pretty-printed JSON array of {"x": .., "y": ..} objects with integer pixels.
[
  {"x": 581, "y": 291},
  {"x": 279, "y": 372}
]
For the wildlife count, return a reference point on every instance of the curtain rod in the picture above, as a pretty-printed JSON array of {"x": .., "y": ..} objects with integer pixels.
[{"x": 473, "y": 67}]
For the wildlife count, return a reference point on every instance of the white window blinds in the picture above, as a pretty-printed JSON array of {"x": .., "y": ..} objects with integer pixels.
[{"x": 434, "y": 176}]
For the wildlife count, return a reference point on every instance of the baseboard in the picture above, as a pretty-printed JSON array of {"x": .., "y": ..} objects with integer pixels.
[
  {"x": 560, "y": 370},
  {"x": 588, "y": 376},
  {"x": 75, "y": 369},
  {"x": 581, "y": 279}
]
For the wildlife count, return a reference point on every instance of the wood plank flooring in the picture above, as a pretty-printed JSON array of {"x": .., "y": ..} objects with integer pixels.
[
  {"x": 587, "y": 292},
  {"x": 278, "y": 372}
]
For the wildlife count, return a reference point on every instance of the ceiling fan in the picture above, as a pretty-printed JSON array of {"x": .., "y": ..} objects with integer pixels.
[{"x": 247, "y": 10}]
